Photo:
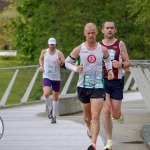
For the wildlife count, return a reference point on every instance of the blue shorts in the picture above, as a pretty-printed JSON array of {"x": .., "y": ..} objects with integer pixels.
[
  {"x": 114, "y": 88},
  {"x": 85, "y": 94},
  {"x": 55, "y": 85}
]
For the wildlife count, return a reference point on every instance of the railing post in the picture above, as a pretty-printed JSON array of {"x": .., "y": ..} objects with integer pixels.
[
  {"x": 65, "y": 88},
  {"x": 147, "y": 73},
  {"x": 28, "y": 91},
  {"x": 7, "y": 92},
  {"x": 142, "y": 83},
  {"x": 128, "y": 82}
]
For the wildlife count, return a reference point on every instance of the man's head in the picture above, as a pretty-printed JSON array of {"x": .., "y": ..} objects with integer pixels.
[
  {"x": 90, "y": 32},
  {"x": 52, "y": 41},
  {"x": 52, "y": 44},
  {"x": 109, "y": 29}
]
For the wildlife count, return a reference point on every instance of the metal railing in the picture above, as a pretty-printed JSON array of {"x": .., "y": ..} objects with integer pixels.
[
  {"x": 139, "y": 78},
  {"x": 29, "y": 88},
  {"x": 140, "y": 71}
]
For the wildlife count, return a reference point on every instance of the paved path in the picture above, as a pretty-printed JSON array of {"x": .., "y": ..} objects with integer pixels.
[{"x": 27, "y": 128}]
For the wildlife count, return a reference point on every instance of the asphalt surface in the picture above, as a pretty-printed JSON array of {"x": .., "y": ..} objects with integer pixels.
[
  {"x": 27, "y": 128},
  {"x": 134, "y": 134}
]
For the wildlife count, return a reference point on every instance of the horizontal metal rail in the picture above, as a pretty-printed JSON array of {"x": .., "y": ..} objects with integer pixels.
[
  {"x": 132, "y": 82},
  {"x": 19, "y": 67}
]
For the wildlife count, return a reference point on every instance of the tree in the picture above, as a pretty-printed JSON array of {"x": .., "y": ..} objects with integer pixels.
[
  {"x": 38, "y": 20},
  {"x": 5, "y": 15},
  {"x": 139, "y": 13}
]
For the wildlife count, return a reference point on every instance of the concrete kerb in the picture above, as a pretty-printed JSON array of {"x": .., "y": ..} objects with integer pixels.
[
  {"x": 145, "y": 133},
  {"x": 68, "y": 104}
]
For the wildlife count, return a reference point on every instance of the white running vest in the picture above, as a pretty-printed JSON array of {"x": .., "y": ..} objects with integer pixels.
[
  {"x": 51, "y": 68},
  {"x": 92, "y": 61}
]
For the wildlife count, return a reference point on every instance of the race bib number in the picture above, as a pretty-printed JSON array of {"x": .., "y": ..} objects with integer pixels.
[
  {"x": 112, "y": 54},
  {"x": 50, "y": 69},
  {"x": 92, "y": 82}
]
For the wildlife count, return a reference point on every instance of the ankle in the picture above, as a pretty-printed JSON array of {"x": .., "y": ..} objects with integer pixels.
[
  {"x": 88, "y": 125},
  {"x": 94, "y": 145}
]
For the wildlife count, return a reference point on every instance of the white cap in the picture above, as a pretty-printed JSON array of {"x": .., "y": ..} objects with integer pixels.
[{"x": 52, "y": 41}]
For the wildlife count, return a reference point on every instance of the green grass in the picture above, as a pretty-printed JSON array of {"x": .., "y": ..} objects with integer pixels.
[{"x": 23, "y": 79}]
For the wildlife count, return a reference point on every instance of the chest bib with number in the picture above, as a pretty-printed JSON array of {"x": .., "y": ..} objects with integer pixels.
[
  {"x": 112, "y": 54},
  {"x": 92, "y": 82},
  {"x": 50, "y": 69}
]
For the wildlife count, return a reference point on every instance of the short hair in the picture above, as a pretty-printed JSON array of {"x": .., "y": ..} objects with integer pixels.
[
  {"x": 90, "y": 25},
  {"x": 108, "y": 21}
]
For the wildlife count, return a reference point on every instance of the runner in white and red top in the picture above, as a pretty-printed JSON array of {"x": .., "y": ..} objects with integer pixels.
[
  {"x": 113, "y": 88},
  {"x": 115, "y": 53}
]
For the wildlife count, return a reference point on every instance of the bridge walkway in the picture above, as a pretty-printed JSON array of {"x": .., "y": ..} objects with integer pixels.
[{"x": 28, "y": 128}]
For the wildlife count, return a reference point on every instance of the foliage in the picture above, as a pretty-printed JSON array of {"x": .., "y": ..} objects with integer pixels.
[
  {"x": 38, "y": 20},
  {"x": 5, "y": 30},
  {"x": 139, "y": 13}
]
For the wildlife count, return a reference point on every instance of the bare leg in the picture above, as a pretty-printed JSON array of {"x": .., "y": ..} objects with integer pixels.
[
  {"x": 116, "y": 108},
  {"x": 86, "y": 113},
  {"x": 107, "y": 118},
  {"x": 96, "y": 107}
]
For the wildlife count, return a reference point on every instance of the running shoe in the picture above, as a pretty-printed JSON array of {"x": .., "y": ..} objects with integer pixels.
[
  {"x": 53, "y": 120},
  {"x": 112, "y": 118},
  {"x": 89, "y": 131},
  {"x": 108, "y": 149},
  {"x": 50, "y": 116},
  {"x": 91, "y": 147},
  {"x": 109, "y": 145},
  {"x": 121, "y": 119}
]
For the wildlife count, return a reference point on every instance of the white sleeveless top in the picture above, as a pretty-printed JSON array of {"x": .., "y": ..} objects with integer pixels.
[
  {"x": 92, "y": 61},
  {"x": 51, "y": 68}
]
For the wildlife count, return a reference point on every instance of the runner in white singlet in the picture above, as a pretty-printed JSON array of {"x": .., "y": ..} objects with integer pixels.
[
  {"x": 50, "y": 61},
  {"x": 90, "y": 84}
]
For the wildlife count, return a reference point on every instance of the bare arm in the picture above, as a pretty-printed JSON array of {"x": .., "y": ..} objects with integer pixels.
[
  {"x": 105, "y": 52},
  {"x": 41, "y": 60},
  {"x": 108, "y": 63},
  {"x": 125, "y": 58},
  {"x": 75, "y": 53},
  {"x": 69, "y": 62},
  {"x": 61, "y": 58}
]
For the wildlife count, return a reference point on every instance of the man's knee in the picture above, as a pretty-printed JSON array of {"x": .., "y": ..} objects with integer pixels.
[
  {"x": 95, "y": 116},
  {"x": 46, "y": 94},
  {"x": 107, "y": 111}
]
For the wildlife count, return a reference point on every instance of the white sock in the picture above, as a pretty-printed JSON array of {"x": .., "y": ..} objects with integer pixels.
[
  {"x": 48, "y": 103},
  {"x": 109, "y": 144},
  {"x": 55, "y": 105},
  {"x": 57, "y": 111}
]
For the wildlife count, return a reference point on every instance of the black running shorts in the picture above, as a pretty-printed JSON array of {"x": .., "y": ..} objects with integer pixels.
[{"x": 85, "y": 94}]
